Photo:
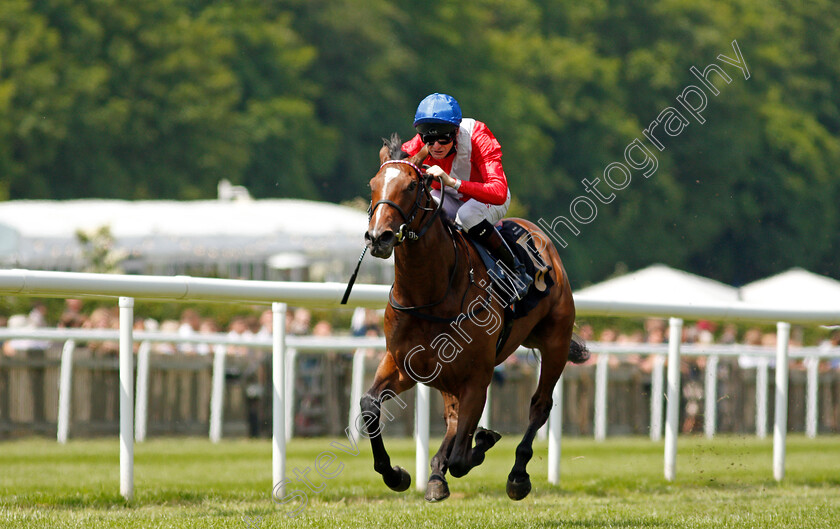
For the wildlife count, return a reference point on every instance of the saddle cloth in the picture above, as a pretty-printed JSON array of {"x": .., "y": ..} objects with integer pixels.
[{"x": 522, "y": 244}]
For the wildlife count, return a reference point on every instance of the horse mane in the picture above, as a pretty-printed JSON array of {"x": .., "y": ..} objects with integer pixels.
[{"x": 394, "y": 144}]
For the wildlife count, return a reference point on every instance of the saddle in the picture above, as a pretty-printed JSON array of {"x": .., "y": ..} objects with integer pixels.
[{"x": 522, "y": 244}]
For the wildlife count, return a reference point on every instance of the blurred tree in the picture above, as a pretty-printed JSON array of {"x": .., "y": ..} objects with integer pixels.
[
  {"x": 162, "y": 98},
  {"x": 98, "y": 251}
]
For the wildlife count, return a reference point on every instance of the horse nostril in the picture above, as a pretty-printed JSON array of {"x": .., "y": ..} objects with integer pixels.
[
  {"x": 386, "y": 238},
  {"x": 368, "y": 238}
]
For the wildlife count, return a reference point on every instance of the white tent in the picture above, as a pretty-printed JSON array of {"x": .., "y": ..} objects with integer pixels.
[
  {"x": 226, "y": 238},
  {"x": 795, "y": 288},
  {"x": 660, "y": 284}
]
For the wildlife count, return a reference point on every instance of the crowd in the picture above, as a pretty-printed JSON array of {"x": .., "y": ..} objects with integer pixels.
[
  {"x": 692, "y": 368},
  {"x": 366, "y": 322}
]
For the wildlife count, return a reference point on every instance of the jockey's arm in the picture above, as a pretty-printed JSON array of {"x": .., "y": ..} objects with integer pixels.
[{"x": 487, "y": 159}]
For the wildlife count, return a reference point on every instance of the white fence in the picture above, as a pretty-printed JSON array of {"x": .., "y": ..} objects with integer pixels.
[{"x": 126, "y": 288}]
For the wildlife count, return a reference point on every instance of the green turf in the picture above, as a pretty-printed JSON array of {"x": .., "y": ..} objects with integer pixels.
[{"x": 191, "y": 483}]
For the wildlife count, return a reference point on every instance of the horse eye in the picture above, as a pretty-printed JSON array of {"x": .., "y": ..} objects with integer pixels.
[{"x": 412, "y": 185}]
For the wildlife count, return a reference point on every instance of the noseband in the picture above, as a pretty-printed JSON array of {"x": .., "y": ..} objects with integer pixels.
[{"x": 405, "y": 231}]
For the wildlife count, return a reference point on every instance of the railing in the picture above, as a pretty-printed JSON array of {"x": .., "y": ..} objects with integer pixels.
[
  {"x": 58, "y": 284},
  {"x": 307, "y": 344}
]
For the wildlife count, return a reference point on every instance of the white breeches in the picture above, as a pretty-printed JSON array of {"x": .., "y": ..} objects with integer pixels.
[{"x": 468, "y": 214}]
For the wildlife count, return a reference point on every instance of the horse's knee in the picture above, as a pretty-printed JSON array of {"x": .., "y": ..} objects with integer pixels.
[
  {"x": 367, "y": 422},
  {"x": 368, "y": 403},
  {"x": 540, "y": 410}
]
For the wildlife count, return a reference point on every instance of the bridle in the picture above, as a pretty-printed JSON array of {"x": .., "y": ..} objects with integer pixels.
[{"x": 405, "y": 231}]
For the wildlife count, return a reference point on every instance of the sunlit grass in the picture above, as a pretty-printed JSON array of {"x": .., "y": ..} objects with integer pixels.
[{"x": 618, "y": 483}]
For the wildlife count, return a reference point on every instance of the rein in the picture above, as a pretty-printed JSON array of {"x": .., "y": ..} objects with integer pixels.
[
  {"x": 406, "y": 232},
  {"x": 415, "y": 310}
]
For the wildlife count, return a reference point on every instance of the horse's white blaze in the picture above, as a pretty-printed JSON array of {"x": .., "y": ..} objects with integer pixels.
[{"x": 391, "y": 174}]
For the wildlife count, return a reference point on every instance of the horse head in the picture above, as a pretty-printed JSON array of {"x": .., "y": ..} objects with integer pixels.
[{"x": 398, "y": 192}]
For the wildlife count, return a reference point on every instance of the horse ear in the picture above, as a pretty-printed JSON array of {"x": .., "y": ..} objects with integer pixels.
[
  {"x": 384, "y": 154},
  {"x": 420, "y": 156}
]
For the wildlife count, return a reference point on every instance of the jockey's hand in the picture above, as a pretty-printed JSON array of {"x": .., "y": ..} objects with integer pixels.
[{"x": 441, "y": 175}]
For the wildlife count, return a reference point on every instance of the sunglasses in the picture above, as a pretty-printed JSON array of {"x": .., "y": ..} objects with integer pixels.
[{"x": 430, "y": 139}]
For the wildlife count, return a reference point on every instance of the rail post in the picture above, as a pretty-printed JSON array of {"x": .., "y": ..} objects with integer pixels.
[
  {"x": 780, "y": 423},
  {"x": 710, "y": 420},
  {"x": 142, "y": 404},
  {"x": 601, "y": 381},
  {"x": 65, "y": 387},
  {"x": 673, "y": 413},
  {"x": 421, "y": 429},
  {"x": 126, "y": 398},
  {"x": 555, "y": 432},
  {"x": 278, "y": 368},
  {"x": 657, "y": 391},
  {"x": 811, "y": 404},
  {"x": 217, "y": 394}
]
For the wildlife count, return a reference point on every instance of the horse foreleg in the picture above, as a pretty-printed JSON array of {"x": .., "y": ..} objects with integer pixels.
[
  {"x": 437, "y": 488},
  {"x": 387, "y": 384},
  {"x": 519, "y": 482},
  {"x": 464, "y": 457}
]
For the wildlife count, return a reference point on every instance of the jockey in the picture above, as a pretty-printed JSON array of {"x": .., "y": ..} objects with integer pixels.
[{"x": 467, "y": 158}]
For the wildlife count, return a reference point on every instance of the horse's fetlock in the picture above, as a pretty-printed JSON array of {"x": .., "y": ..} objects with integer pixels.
[{"x": 524, "y": 452}]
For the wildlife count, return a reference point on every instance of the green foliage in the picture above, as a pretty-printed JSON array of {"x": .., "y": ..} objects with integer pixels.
[
  {"x": 161, "y": 99},
  {"x": 98, "y": 251}
]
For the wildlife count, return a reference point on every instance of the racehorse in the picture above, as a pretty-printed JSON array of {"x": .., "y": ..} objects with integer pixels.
[{"x": 434, "y": 336}]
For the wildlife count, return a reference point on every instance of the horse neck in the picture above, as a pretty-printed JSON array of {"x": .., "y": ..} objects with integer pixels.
[{"x": 422, "y": 267}]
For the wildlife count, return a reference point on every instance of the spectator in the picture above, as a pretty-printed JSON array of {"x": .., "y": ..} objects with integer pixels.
[
  {"x": 72, "y": 316},
  {"x": 364, "y": 320},
  {"x": 238, "y": 329},
  {"x": 729, "y": 334},
  {"x": 167, "y": 327},
  {"x": 655, "y": 334},
  {"x": 322, "y": 328},
  {"x": 17, "y": 346},
  {"x": 586, "y": 332},
  {"x": 833, "y": 342},
  {"x": 188, "y": 327},
  {"x": 103, "y": 318},
  {"x": 300, "y": 323},
  {"x": 705, "y": 332},
  {"x": 608, "y": 335},
  {"x": 831, "y": 413},
  {"x": 207, "y": 326},
  {"x": 267, "y": 324},
  {"x": 752, "y": 338}
]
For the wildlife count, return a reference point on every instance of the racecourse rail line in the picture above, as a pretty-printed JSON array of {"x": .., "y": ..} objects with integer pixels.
[{"x": 328, "y": 295}]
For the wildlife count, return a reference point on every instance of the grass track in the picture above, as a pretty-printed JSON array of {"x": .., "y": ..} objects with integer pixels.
[{"x": 190, "y": 483}]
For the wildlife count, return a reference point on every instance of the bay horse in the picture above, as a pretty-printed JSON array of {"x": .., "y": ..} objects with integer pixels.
[{"x": 435, "y": 337}]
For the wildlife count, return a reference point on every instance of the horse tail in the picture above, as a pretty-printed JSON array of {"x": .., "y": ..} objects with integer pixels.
[{"x": 578, "y": 353}]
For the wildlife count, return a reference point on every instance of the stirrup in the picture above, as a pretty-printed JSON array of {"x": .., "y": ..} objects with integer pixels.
[{"x": 522, "y": 283}]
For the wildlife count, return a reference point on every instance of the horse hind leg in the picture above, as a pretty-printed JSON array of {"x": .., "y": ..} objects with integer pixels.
[
  {"x": 387, "y": 384},
  {"x": 438, "y": 489},
  {"x": 553, "y": 362}
]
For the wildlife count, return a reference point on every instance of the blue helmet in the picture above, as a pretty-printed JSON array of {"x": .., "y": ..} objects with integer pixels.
[{"x": 437, "y": 113}]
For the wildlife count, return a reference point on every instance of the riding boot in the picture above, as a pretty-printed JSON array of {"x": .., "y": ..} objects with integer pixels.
[{"x": 485, "y": 233}]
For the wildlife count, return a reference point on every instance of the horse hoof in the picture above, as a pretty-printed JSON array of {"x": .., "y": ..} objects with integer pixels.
[
  {"x": 517, "y": 490},
  {"x": 486, "y": 438},
  {"x": 437, "y": 489},
  {"x": 401, "y": 482}
]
